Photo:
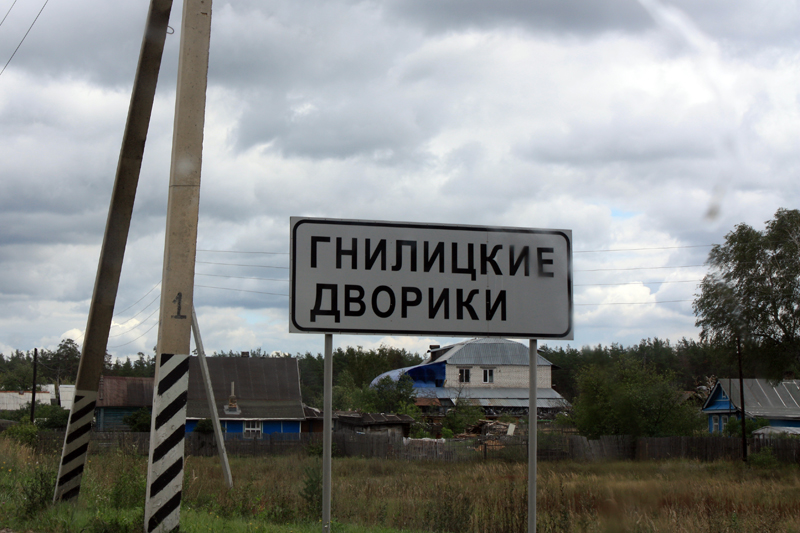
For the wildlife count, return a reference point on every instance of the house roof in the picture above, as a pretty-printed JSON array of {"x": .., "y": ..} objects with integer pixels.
[
  {"x": 118, "y": 391},
  {"x": 489, "y": 351},
  {"x": 761, "y": 398},
  {"x": 266, "y": 388}
]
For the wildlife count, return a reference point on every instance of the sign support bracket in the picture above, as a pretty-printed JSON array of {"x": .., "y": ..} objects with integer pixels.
[{"x": 327, "y": 433}]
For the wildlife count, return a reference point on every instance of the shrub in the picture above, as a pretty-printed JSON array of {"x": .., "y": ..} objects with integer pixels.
[
  {"x": 204, "y": 427},
  {"x": 36, "y": 489},
  {"x": 312, "y": 488},
  {"x": 138, "y": 421},
  {"x": 25, "y": 433},
  {"x": 764, "y": 458}
]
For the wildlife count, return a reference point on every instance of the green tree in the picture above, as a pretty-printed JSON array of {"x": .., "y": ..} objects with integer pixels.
[
  {"x": 630, "y": 397},
  {"x": 753, "y": 292},
  {"x": 387, "y": 396},
  {"x": 138, "y": 421},
  {"x": 734, "y": 426}
]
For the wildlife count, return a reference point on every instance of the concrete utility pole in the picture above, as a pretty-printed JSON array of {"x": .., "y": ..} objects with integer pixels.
[
  {"x": 168, "y": 427},
  {"x": 95, "y": 342}
]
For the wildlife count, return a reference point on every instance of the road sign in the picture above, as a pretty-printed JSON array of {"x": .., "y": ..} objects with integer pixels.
[{"x": 371, "y": 277}]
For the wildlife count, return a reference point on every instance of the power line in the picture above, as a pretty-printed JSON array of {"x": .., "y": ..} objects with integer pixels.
[
  {"x": 642, "y": 249},
  {"x": 636, "y": 283},
  {"x": 638, "y": 303},
  {"x": 243, "y": 252},
  {"x": 137, "y": 325},
  {"x": 139, "y": 313},
  {"x": 242, "y": 290},
  {"x": 636, "y": 268},
  {"x": 139, "y": 300},
  {"x": 23, "y": 38},
  {"x": 137, "y": 338},
  {"x": 241, "y": 277},
  {"x": 7, "y": 12},
  {"x": 236, "y": 265}
]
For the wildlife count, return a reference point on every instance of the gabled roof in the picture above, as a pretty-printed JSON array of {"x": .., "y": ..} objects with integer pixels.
[
  {"x": 118, "y": 391},
  {"x": 489, "y": 351},
  {"x": 761, "y": 398},
  {"x": 266, "y": 388}
]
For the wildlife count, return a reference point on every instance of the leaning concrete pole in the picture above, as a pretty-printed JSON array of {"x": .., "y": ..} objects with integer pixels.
[
  {"x": 168, "y": 426},
  {"x": 76, "y": 441}
]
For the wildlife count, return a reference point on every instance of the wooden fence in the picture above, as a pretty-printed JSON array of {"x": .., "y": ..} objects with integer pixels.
[{"x": 551, "y": 446}]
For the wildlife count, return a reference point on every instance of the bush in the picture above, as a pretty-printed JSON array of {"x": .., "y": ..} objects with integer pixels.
[
  {"x": 25, "y": 433},
  {"x": 138, "y": 421},
  {"x": 763, "y": 458},
  {"x": 734, "y": 426},
  {"x": 37, "y": 490},
  {"x": 204, "y": 427}
]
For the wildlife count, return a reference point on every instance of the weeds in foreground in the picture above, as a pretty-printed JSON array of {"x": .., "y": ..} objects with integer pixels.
[{"x": 370, "y": 494}]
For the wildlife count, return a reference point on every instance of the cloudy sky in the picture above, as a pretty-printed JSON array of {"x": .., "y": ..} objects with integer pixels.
[{"x": 647, "y": 128}]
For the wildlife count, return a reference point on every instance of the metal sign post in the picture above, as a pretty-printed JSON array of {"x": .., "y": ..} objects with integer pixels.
[
  {"x": 76, "y": 440},
  {"x": 167, "y": 432},
  {"x": 327, "y": 434}
]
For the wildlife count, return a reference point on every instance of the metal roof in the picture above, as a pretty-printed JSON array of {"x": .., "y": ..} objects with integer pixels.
[
  {"x": 266, "y": 388},
  {"x": 496, "y": 397},
  {"x": 762, "y": 399},
  {"x": 490, "y": 351}
]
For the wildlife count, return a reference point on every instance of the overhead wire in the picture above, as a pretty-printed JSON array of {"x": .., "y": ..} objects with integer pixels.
[
  {"x": 7, "y": 12},
  {"x": 23, "y": 37}
]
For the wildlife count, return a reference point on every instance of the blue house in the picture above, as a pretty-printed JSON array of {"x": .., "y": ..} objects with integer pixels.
[
  {"x": 254, "y": 396},
  {"x": 492, "y": 373},
  {"x": 779, "y": 403}
]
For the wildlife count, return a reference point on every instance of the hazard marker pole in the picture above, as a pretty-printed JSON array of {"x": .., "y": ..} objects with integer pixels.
[
  {"x": 168, "y": 427},
  {"x": 533, "y": 361},
  {"x": 212, "y": 404},
  {"x": 95, "y": 341}
]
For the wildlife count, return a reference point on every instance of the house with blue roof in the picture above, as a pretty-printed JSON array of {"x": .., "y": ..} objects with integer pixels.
[
  {"x": 492, "y": 373},
  {"x": 778, "y": 403}
]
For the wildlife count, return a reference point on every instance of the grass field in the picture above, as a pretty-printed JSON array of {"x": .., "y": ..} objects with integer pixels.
[{"x": 281, "y": 494}]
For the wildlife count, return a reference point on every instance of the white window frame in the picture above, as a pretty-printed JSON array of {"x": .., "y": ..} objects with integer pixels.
[
  {"x": 715, "y": 424},
  {"x": 464, "y": 375},
  {"x": 252, "y": 428},
  {"x": 723, "y": 421},
  {"x": 488, "y": 375}
]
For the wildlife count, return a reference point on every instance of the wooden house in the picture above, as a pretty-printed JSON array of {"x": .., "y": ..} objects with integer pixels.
[
  {"x": 778, "y": 403},
  {"x": 254, "y": 395},
  {"x": 119, "y": 397}
]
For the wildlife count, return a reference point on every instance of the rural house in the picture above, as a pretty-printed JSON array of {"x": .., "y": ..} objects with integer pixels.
[
  {"x": 779, "y": 404},
  {"x": 119, "y": 397},
  {"x": 491, "y": 373},
  {"x": 254, "y": 395}
]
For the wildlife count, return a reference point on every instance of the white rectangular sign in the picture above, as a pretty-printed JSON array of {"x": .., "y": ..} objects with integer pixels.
[{"x": 370, "y": 277}]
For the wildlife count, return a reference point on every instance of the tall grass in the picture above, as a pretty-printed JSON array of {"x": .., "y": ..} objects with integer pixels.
[{"x": 278, "y": 494}]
